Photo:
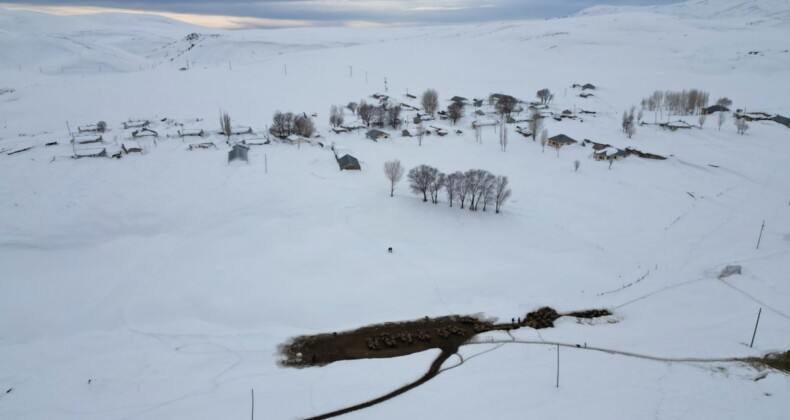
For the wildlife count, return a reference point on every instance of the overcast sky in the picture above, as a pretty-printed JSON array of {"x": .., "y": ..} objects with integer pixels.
[{"x": 342, "y": 12}]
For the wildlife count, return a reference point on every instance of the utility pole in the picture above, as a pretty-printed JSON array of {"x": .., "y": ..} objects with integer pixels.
[
  {"x": 761, "y": 235},
  {"x": 755, "y": 327},
  {"x": 558, "y": 365}
]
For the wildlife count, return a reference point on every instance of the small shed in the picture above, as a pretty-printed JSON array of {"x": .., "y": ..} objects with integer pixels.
[
  {"x": 257, "y": 141},
  {"x": 131, "y": 146},
  {"x": 375, "y": 135},
  {"x": 348, "y": 162},
  {"x": 189, "y": 132},
  {"x": 90, "y": 152},
  {"x": 136, "y": 124},
  {"x": 715, "y": 108},
  {"x": 205, "y": 145},
  {"x": 87, "y": 139},
  {"x": 560, "y": 140},
  {"x": 675, "y": 125},
  {"x": 145, "y": 132},
  {"x": 459, "y": 99},
  {"x": 297, "y": 140},
  {"x": 596, "y": 145},
  {"x": 90, "y": 128},
  {"x": 238, "y": 152},
  {"x": 589, "y": 86},
  {"x": 238, "y": 130},
  {"x": 484, "y": 123},
  {"x": 610, "y": 153}
]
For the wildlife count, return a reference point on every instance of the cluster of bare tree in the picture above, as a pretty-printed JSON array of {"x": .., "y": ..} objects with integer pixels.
[
  {"x": 629, "y": 126},
  {"x": 379, "y": 116},
  {"x": 430, "y": 101},
  {"x": 224, "y": 123},
  {"x": 286, "y": 123},
  {"x": 535, "y": 124},
  {"x": 475, "y": 186},
  {"x": 545, "y": 96},
  {"x": 336, "y": 115},
  {"x": 741, "y": 126},
  {"x": 506, "y": 104},
  {"x": 455, "y": 111},
  {"x": 686, "y": 102}
]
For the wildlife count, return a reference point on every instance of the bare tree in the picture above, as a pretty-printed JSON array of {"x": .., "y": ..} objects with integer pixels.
[
  {"x": 352, "y": 106},
  {"x": 506, "y": 104},
  {"x": 420, "y": 179},
  {"x": 741, "y": 125},
  {"x": 724, "y": 101},
  {"x": 224, "y": 123},
  {"x": 722, "y": 118},
  {"x": 479, "y": 133},
  {"x": 544, "y": 95},
  {"x": 576, "y": 165},
  {"x": 336, "y": 116},
  {"x": 101, "y": 126},
  {"x": 393, "y": 116},
  {"x": 378, "y": 115},
  {"x": 473, "y": 179},
  {"x": 455, "y": 111},
  {"x": 303, "y": 125},
  {"x": 282, "y": 124},
  {"x": 462, "y": 187},
  {"x": 535, "y": 123},
  {"x": 487, "y": 189},
  {"x": 629, "y": 128},
  {"x": 436, "y": 185},
  {"x": 501, "y": 192},
  {"x": 452, "y": 185},
  {"x": 394, "y": 172},
  {"x": 702, "y": 118},
  {"x": 420, "y": 133},
  {"x": 544, "y": 138},
  {"x": 430, "y": 101},
  {"x": 479, "y": 182},
  {"x": 503, "y": 136},
  {"x": 365, "y": 111}
]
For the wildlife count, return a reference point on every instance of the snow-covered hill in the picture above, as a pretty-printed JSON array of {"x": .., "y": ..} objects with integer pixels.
[
  {"x": 751, "y": 12},
  {"x": 160, "y": 285}
]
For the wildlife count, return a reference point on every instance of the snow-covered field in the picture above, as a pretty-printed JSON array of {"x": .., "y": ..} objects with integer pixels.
[{"x": 159, "y": 285}]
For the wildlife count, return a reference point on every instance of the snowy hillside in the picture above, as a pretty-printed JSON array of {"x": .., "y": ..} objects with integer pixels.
[
  {"x": 752, "y": 12},
  {"x": 161, "y": 284}
]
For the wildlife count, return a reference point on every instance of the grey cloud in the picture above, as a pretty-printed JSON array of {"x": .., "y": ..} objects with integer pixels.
[{"x": 330, "y": 13}]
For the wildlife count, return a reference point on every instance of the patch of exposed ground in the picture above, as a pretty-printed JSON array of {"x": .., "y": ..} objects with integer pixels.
[
  {"x": 778, "y": 361},
  {"x": 395, "y": 339}
]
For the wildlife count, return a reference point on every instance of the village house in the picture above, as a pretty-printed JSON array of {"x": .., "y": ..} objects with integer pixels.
[
  {"x": 560, "y": 140},
  {"x": 131, "y": 146},
  {"x": 348, "y": 162},
  {"x": 376, "y": 135}
]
